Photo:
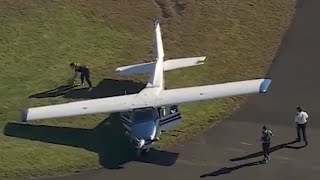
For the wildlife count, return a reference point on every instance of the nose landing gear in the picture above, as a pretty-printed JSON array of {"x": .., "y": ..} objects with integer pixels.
[{"x": 140, "y": 152}]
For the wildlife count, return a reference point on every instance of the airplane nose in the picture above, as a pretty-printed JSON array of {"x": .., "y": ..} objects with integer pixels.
[
  {"x": 141, "y": 142},
  {"x": 138, "y": 142}
]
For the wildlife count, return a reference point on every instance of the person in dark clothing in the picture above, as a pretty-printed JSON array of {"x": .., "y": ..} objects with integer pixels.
[
  {"x": 84, "y": 73},
  {"x": 265, "y": 139}
]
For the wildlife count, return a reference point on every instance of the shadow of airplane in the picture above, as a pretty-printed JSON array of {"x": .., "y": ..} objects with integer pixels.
[
  {"x": 272, "y": 149},
  {"x": 105, "y": 88},
  {"x": 59, "y": 91},
  {"x": 107, "y": 139},
  {"x": 227, "y": 170}
]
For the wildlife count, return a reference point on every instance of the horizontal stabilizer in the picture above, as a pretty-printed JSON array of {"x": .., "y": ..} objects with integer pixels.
[
  {"x": 183, "y": 62},
  {"x": 170, "y": 64},
  {"x": 136, "y": 69}
]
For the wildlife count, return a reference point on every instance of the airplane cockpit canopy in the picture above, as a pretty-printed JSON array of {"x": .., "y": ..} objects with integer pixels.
[{"x": 145, "y": 114}]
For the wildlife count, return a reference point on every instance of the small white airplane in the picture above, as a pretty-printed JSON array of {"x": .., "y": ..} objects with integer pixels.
[{"x": 154, "y": 109}]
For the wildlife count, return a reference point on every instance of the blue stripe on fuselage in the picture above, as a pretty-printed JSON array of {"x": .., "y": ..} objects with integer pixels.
[
  {"x": 126, "y": 122},
  {"x": 170, "y": 119}
]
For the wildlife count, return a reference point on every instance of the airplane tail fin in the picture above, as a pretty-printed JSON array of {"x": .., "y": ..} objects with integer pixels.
[
  {"x": 154, "y": 68},
  {"x": 156, "y": 80},
  {"x": 158, "y": 41}
]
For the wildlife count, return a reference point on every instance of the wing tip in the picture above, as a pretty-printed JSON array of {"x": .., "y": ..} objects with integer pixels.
[
  {"x": 24, "y": 115},
  {"x": 264, "y": 86},
  {"x": 202, "y": 58}
]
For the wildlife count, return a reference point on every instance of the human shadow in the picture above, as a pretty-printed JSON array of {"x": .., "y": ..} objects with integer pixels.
[
  {"x": 107, "y": 139},
  {"x": 105, "y": 88},
  {"x": 272, "y": 149},
  {"x": 227, "y": 170}
]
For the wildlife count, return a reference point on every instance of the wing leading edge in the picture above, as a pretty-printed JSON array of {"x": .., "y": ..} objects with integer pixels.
[
  {"x": 86, "y": 107},
  {"x": 199, "y": 93},
  {"x": 129, "y": 102}
]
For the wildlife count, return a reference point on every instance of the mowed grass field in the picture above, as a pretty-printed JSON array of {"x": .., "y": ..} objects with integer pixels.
[{"x": 38, "y": 40}]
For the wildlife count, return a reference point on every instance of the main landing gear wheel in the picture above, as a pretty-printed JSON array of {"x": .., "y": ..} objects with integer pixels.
[{"x": 146, "y": 150}]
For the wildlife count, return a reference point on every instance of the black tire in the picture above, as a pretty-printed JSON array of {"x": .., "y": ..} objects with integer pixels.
[
  {"x": 145, "y": 151},
  {"x": 138, "y": 153}
]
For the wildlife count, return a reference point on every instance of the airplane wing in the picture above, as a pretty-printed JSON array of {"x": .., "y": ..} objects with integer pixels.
[
  {"x": 129, "y": 102},
  {"x": 190, "y": 94},
  {"x": 86, "y": 107}
]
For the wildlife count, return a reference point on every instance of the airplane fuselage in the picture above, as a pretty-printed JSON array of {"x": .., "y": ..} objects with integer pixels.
[{"x": 144, "y": 125}]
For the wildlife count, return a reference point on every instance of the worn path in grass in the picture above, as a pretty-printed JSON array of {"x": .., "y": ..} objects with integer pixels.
[{"x": 231, "y": 149}]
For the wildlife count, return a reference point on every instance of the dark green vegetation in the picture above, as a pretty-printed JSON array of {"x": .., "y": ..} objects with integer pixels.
[{"x": 38, "y": 39}]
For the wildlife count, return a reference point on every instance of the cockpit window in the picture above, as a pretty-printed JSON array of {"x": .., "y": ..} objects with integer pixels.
[
  {"x": 167, "y": 110},
  {"x": 144, "y": 115}
]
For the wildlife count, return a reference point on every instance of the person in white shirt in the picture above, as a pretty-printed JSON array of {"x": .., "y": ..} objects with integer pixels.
[{"x": 301, "y": 122}]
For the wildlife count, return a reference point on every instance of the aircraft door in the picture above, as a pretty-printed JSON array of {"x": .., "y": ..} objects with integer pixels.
[
  {"x": 126, "y": 120},
  {"x": 170, "y": 117}
]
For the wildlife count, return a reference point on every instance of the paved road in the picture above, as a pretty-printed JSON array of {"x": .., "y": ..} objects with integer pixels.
[{"x": 230, "y": 149}]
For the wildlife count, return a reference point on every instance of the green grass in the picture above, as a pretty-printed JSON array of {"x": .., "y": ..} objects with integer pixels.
[{"x": 38, "y": 39}]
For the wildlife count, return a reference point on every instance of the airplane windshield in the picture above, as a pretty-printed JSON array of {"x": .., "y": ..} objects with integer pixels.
[{"x": 144, "y": 115}]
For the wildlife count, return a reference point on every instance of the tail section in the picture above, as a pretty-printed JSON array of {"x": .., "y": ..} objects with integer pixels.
[
  {"x": 156, "y": 79},
  {"x": 144, "y": 68},
  {"x": 157, "y": 68}
]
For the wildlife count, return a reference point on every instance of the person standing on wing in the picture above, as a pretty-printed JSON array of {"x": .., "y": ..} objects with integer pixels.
[
  {"x": 84, "y": 73},
  {"x": 301, "y": 122}
]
